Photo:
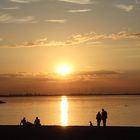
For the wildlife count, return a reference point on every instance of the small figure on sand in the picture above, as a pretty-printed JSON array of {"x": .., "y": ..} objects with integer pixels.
[
  {"x": 98, "y": 118},
  {"x": 90, "y": 123},
  {"x": 37, "y": 121},
  {"x": 23, "y": 121},
  {"x": 104, "y": 117}
]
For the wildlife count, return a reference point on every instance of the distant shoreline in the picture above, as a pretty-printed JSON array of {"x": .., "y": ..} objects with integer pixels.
[{"x": 73, "y": 94}]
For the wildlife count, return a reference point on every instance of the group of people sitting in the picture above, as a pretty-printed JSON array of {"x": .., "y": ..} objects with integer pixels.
[
  {"x": 24, "y": 122},
  {"x": 100, "y": 117}
]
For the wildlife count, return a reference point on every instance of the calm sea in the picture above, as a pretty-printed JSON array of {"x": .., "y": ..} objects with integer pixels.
[{"x": 71, "y": 110}]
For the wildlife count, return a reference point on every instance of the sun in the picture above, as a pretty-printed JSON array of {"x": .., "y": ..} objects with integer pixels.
[{"x": 63, "y": 69}]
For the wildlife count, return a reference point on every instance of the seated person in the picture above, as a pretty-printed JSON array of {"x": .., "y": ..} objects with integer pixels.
[
  {"x": 23, "y": 121},
  {"x": 37, "y": 121}
]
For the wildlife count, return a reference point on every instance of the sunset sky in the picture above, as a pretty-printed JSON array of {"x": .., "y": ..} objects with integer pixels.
[{"x": 98, "y": 39}]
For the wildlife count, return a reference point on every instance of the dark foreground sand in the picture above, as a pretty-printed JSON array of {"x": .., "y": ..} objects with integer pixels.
[{"x": 68, "y": 133}]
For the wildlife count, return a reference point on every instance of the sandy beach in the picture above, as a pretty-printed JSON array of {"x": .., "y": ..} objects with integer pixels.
[{"x": 69, "y": 133}]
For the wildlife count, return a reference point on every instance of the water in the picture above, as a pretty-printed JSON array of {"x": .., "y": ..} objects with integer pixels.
[{"x": 71, "y": 110}]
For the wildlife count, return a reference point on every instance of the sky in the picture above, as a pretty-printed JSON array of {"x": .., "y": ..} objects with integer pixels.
[{"x": 98, "y": 39}]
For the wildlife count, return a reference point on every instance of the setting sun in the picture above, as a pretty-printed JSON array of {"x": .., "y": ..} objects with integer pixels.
[{"x": 63, "y": 69}]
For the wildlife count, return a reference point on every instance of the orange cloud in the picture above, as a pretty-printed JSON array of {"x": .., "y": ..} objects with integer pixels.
[
  {"x": 82, "y": 82},
  {"x": 77, "y": 39}
]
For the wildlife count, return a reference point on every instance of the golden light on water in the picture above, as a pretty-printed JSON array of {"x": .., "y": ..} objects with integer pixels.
[{"x": 64, "y": 111}]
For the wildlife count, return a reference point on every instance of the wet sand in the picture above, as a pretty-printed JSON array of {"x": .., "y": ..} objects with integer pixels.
[{"x": 68, "y": 133}]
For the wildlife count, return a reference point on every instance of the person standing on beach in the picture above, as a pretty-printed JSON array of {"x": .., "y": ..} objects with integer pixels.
[
  {"x": 104, "y": 117},
  {"x": 98, "y": 118}
]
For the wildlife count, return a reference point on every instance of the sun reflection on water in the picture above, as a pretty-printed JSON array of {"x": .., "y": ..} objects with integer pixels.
[{"x": 64, "y": 111}]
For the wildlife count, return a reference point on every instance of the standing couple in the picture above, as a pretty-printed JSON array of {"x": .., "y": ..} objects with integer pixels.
[{"x": 101, "y": 116}]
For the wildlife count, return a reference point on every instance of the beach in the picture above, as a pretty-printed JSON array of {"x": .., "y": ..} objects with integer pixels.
[{"x": 12, "y": 132}]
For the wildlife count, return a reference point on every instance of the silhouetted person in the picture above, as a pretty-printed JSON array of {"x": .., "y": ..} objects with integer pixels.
[
  {"x": 37, "y": 121},
  {"x": 104, "y": 117},
  {"x": 90, "y": 122},
  {"x": 23, "y": 121},
  {"x": 98, "y": 118}
]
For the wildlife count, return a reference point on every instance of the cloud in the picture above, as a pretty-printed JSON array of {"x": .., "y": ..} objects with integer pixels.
[
  {"x": 92, "y": 36},
  {"x": 73, "y": 40},
  {"x": 24, "y": 1},
  {"x": 88, "y": 38},
  {"x": 6, "y": 18},
  {"x": 92, "y": 75},
  {"x": 124, "y": 35},
  {"x": 79, "y": 11},
  {"x": 1, "y": 39},
  {"x": 86, "y": 75},
  {"x": 23, "y": 75},
  {"x": 126, "y": 8},
  {"x": 103, "y": 81},
  {"x": 56, "y": 20},
  {"x": 84, "y": 38},
  {"x": 10, "y": 8},
  {"x": 78, "y": 1},
  {"x": 76, "y": 76}
]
